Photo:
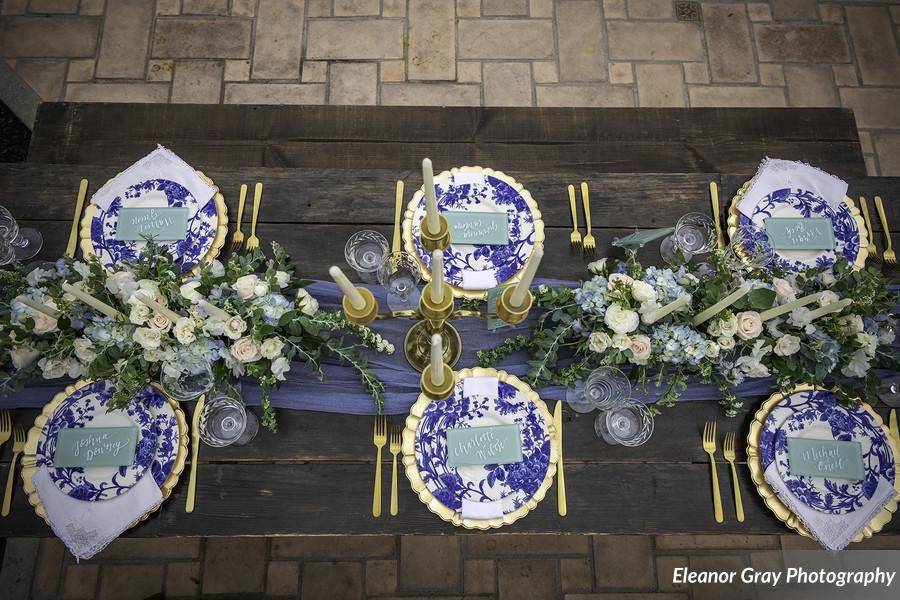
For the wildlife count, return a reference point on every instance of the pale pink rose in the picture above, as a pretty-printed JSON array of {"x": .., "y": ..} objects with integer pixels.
[
  {"x": 749, "y": 325},
  {"x": 246, "y": 350},
  {"x": 640, "y": 349}
]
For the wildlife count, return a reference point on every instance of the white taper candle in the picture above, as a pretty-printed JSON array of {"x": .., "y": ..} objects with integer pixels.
[
  {"x": 213, "y": 310},
  {"x": 356, "y": 299},
  {"x": 722, "y": 304},
  {"x": 518, "y": 296},
  {"x": 777, "y": 311},
  {"x": 158, "y": 307},
  {"x": 437, "y": 360},
  {"x": 663, "y": 311},
  {"x": 39, "y": 306},
  {"x": 431, "y": 208},
  {"x": 830, "y": 308},
  {"x": 94, "y": 303},
  {"x": 437, "y": 276}
]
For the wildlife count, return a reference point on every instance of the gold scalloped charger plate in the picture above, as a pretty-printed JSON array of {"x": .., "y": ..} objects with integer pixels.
[
  {"x": 860, "y": 262},
  {"x": 417, "y": 199},
  {"x": 29, "y": 456},
  {"x": 218, "y": 242},
  {"x": 435, "y": 505},
  {"x": 769, "y": 496}
]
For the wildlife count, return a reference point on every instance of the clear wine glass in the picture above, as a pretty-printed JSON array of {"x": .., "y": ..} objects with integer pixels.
[
  {"x": 226, "y": 420},
  {"x": 604, "y": 388},
  {"x": 26, "y": 242},
  {"x": 364, "y": 252},
  {"x": 628, "y": 424},
  {"x": 194, "y": 378},
  {"x": 748, "y": 249},
  {"x": 399, "y": 274},
  {"x": 695, "y": 233},
  {"x": 7, "y": 253}
]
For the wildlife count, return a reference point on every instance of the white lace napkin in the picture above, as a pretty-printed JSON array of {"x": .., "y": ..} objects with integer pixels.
[
  {"x": 775, "y": 174},
  {"x": 86, "y": 528},
  {"x": 481, "y": 510},
  {"x": 479, "y": 280},
  {"x": 833, "y": 532},
  {"x": 485, "y": 387},
  {"x": 161, "y": 163}
]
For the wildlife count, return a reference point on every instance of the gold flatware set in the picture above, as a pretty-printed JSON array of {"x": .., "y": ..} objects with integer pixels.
[
  {"x": 561, "y": 505},
  {"x": 237, "y": 238},
  {"x": 385, "y": 435},
  {"x": 888, "y": 256},
  {"x": 195, "y": 454},
  {"x": 587, "y": 244},
  {"x": 709, "y": 446}
]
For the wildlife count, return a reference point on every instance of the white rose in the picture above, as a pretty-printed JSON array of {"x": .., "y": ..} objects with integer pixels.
[
  {"x": 620, "y": 341},
  {"x": 121, "y": 284},
  {"x": 618, "y": 278},
  {"x": 235, "y": 327},
  {"x": 189, "y": 292},
  {"x": 712, "y": 349},
  {"x": 53, "y": 368},
  {"x": 827, "y": 297},
  {"x": 749, "y": 325},
  {"x": 851, "y": 324},
  {"x": 598, "y": 341},
  {"x": 246, "y": 350},
  {"x": 280, "y": 366},
  {"x": 148, "y": 338},
  {"x": 84, "y": 349},
  {"x": 714, "y": 328},
  {"x": 728, "y": 326},
  {"x": 140, "y": 312},
  {"x": 787, "y": 345},
  {"x": 621, "y": 320},
  {"x": 725, "y": 343},
  {"x": 213, "y": 327},
  {"x": 245, "y": 286},
  {"x": 22, "y": 356},
  {"x": 784, "y": 291},
  {"x": 868, "y": 342},
  {"x": 282, "y": 278},
  {"x": 800, "y": 317},
  {"x": 184, "y": 330},
  {"x": 271, "y": 348},
  {"x": 160, "y": 322},
  {"x": 598, "y": 267},
  {"x": 643, "y": 292},
  {"x": 858, "y": 365},
  {"x": 261, "y": 288},
  {"x": 827, "y": 277},
  {"x": 640, "y": 349},
  {"x": 44, "y": 323}
]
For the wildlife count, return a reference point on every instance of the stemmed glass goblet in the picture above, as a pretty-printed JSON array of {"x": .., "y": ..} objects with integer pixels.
[
  {"x": 26, "y": 242},
  {"x": 399, "y": 274},
  {"x": 604, "y": 388},
  {"x": 364, "y": 252},
  {"x": 695, "y": 233},
  {"x": 630, "y": 423}
]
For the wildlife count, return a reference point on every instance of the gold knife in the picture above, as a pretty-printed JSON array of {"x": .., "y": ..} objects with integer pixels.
[
  {"x": 398, "y": 208},
  {"x": 873, "y": 251},
  {"x": 714, "y": 196},
  {"x": 561, "y": 481},
  {"x": 195, "y": 451},
  {"x": 73, "y": 234},
  {"x": 894, "y": 430}
]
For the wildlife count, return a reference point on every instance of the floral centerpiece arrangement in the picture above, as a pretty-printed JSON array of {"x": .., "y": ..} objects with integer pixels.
[
  {"x": 610, "y": 320},
  {"x": 250, "y": 317}
]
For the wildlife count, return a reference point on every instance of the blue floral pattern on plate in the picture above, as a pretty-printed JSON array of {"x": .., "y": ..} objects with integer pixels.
[
  {"x": 201, "y": 225},
  {"x": 790, "y": 202},
  {"x": 820, "y": 408},
  {"x": 515, "y": 483},
  {"x": 477, "y": 191},
  {"x": 88, "y": 405}
]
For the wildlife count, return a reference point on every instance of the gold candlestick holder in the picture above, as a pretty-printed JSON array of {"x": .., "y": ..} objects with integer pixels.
[
  {"x": 364, "y": 315},
  {"x": 417, "y": 344},
  {"x": 438, "y": 240},
  {"x": 438, "y": 392},
  {"x": 510, "y": 313}
]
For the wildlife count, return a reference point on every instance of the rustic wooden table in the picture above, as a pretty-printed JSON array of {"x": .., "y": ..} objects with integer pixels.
[{"x": 314, "y": 476}]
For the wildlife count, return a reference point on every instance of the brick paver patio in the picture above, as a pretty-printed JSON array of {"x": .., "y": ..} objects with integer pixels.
[{"x": 470, "y": 52}]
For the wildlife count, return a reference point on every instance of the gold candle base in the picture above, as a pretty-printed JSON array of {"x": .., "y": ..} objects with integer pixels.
[
  {"x": 438, "y": 240},
  {"x": 417, "y": 344},
  {"x": 366, "y": 314},
  {"x": 435, "y": 311},
  {"x": 513, "y": 314},
  {"x": 438, "y": 392}
]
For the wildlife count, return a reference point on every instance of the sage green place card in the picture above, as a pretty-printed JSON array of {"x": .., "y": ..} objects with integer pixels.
[
  {"x": 487, "y": 228},
  {"x": 797, "y": 233},
  {"x": 493, "y": 296},
  {"x": 491, "y": 445},
  {"x": 825, "y": 458},
  {"x": 162, "y": 224},
  {"x": 95, "y": 447}
]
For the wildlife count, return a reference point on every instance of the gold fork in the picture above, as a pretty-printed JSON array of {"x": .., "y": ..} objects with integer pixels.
[
  {"x": 873, "y": 251},
  {"x": 575, "y": 237},
  {"x": 253, "y": 241},
  {"x": 889, "y": 256},
  {"x": 5, "y": 427},
  {"x": 237, "y": 239},
  {"x": 709, "y": 446},
  {"x": 18, "y": 447},
  {"x": 728, "y": 451},
  {"x": 395, "y": 450},
  {"x": 589, "y": 244},
  {"x": 379, "y": 439}
]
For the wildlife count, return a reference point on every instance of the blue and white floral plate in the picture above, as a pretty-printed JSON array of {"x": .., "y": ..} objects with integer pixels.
[
  {"x": 851, "y": 239},
  {"x": 483, "y": 190},
  {"x": 826, "y": 421},
  {"x": 519, "y": 486},
  {"x": 761, "y": 443},
  {"x": 207, "y": 224}
]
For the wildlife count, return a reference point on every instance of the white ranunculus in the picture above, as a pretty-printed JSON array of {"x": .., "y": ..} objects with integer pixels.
[
  {"x": 620, "y": 341},
  {"x": 139, "y": 314},
  {"x": 712, "y": 349},
  {"x": 235, "y": 327},
  {"x": 640, "y": 349},
  {"x": 282, "y": 278},
  {"x": 787, "y": 345},
  {"x": 189, "y": 292},
  {"x": 643, "y": 292},
  {"x": 827, "y": 297},
  {"x": 749, "y": 325},
  {"x": 728, "y": 326},
  {"x": 84, "y": 349},
  {"x": 868, "y": 342},
  {"x": 598, "y": 341},
  {"x": 53, "y": 368},
  {"x": 800, "y": 317},
  {"x": 246, "y": 350},
  {"x": 245, "y": 286},
  {"x": 618, "y": 278},
  {"x": 271, "y": 348},
  {"x": 851, "y": 324},
  {"x": 598, "y": 267},
  {"x": 185, "y": 330},
  {"x": 148, "y": 338},
  {"x": 725, "y": 342},
  {"x": 280, "y": 366},
  {"x": 22, "y": 356},
  {"x": 160, "y": 322},
  {"x": 620, "y": 319},
  {"x": 858, "y": 365},
  {"x": 784, "y": 291}
]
